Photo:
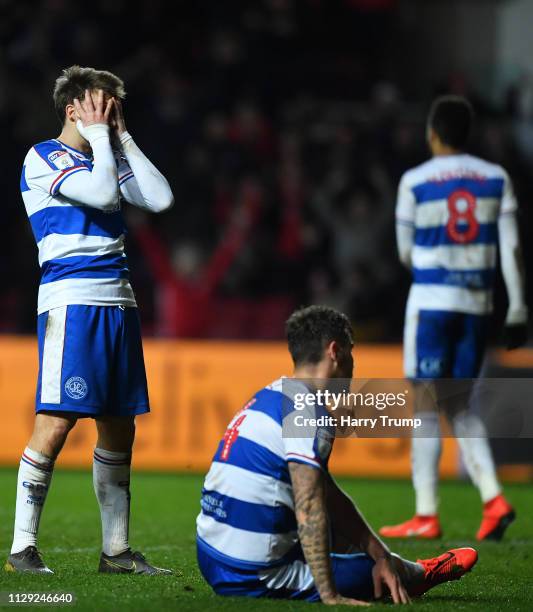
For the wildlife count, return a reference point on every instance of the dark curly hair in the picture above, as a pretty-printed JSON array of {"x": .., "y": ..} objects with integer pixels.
[{"x": 309, "y": 330}]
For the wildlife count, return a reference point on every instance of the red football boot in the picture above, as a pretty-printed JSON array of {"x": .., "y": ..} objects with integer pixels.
[
  {"x": 451, "y": 565},
  {"x": 498, "y": 514},
  {"x": 427, "y": 527}
]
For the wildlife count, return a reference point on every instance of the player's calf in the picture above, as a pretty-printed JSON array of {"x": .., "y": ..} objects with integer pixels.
[{"x": 33, "y": 481}]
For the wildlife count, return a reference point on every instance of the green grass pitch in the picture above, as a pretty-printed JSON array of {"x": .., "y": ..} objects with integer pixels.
[{"x": 164, "y": 507}]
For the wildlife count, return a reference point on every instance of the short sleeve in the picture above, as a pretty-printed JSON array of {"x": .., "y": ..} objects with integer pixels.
[
  {"x": 307, "y": 435},
  {"x": 405, "y": 203},
  {"x": 509, "y": 204},
  {"x": 49, "y": 166},
  {"x": 313, "y": 451}
]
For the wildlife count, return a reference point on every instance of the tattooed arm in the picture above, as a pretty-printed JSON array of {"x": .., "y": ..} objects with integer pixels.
[
  {"x": 348, "y": 523},
  {"x": 309, "y": 488}
]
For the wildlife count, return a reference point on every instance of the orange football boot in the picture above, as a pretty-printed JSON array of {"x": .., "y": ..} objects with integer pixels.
[
  {"x": 427, "y": 527},
  {"x": 451, "y": 565},
  {"x": 498, "y": 514}
]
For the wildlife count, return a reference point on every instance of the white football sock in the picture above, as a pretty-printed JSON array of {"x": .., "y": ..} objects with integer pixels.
[
  {"x": 477, "y": 455},
  {"x": 411, "y": 573},
  {"x": 111, "y": 478},
  {"x": 35, "y": 474},
  {"x": 425, "y": 454}
]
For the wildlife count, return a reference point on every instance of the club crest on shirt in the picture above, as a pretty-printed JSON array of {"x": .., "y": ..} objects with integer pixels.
[{"x": 61, "y": 160}]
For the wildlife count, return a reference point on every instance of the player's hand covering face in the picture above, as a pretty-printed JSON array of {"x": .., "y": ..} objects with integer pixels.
[
  {"x": 117, "y": 118},
  {"x": 93, "y": 109}
]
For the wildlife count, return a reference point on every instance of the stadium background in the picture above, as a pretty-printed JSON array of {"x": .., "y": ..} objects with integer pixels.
[{"x": 283, "y": 127}]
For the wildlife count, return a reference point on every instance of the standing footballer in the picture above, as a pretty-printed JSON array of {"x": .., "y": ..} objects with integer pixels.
[
  {"x": 454, "y": 213},
  {"x": 90, "y": 349}
]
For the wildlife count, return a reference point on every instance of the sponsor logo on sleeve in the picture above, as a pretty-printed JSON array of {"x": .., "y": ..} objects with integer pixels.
[{"x": 61, "y": 160}]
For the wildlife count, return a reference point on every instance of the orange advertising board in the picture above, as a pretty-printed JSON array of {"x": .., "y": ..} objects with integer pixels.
[{"x": 195, "y": 389}]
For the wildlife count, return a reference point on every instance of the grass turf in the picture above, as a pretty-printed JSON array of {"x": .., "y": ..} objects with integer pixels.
[{"x": 164, "y": 508}]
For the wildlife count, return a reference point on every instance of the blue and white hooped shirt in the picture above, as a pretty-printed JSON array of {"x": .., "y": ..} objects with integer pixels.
[
  {"x": 247, "y": 517},
  {"x": 454, "y": 203},
  {"x": 81, "y": 249}
]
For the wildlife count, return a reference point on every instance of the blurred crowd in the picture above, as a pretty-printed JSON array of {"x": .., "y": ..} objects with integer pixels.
[{"x": 283, "y": 127}]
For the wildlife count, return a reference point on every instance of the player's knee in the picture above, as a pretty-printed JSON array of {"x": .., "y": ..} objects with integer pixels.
[
  {"x": 57, "y": 433},
  {"x": 116, "y": 434},
  {"x": 50, "y": 433}
]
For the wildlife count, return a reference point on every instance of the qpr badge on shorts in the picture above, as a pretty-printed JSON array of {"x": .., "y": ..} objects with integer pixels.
[
  {"x": 76, "y": 387},
  {"x": 61, "y": 160}
]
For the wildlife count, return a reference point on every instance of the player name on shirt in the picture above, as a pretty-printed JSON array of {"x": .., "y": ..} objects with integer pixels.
[{"x": 453, "y": 203}]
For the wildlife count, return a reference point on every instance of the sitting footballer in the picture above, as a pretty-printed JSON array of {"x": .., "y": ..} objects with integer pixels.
[{"x": 273, "y": 521}]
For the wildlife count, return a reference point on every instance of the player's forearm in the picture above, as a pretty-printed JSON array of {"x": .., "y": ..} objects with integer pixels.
[
  {"x": 154, "y": 190},
  {"x": 404, "y": 240},
  {"x": 312, "y": 517},
  {"x": 98, "y": 188},
  {"x": 347, "y": 521},
  {"x": 512, "y": 269}
]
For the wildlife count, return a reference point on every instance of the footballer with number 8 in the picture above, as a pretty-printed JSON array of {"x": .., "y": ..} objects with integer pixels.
[
  {"x": 90, "y": 348},
  {"x": 453, "y": 214}
]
